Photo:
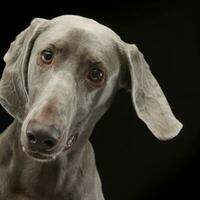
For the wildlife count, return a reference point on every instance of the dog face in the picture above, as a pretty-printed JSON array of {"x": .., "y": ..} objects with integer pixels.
[
  {"x": 72, "y": 77},
  {"x": 65, "y": 73}
]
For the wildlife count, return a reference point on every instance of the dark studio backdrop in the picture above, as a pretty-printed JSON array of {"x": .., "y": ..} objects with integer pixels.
[{"x": 132, "y": 163}]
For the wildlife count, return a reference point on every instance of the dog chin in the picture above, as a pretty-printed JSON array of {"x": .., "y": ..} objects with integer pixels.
[
  {"x": 39, "y": 156},
  {"x": 42, "y": 159}
]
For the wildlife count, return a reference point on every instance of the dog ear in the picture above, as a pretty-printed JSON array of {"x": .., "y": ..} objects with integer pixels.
[
  {"x": 149, "y": 101},
  {"x": 13, "y": 84}
]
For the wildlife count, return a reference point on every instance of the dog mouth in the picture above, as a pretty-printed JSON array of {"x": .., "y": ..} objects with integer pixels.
[
  {"x": 39, "y": 156},
  {"x": 71, "y": 141},
  {"x": 43, "y": 157}
]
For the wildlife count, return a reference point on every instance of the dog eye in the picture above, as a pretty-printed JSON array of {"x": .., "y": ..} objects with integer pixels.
[
  {"x": 47, "y": 56},
  {"x": 95, "y": 75}
]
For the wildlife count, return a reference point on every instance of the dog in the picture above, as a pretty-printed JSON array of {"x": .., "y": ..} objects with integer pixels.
[{"x": 61, "y": 76}]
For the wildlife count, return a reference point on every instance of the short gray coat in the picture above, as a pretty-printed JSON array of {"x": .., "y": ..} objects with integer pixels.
[{"x": 60, "y": 94}]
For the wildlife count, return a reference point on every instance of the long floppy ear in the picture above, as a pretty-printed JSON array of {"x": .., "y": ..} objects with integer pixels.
[
  {"x": 149, "y": 101},
  {"x": 13, "y": 84}
]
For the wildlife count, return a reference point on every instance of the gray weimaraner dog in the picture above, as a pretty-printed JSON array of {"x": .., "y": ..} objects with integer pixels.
[{"x": 60, "y": 77}]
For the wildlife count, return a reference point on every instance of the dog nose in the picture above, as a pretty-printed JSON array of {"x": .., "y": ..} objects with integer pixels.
[{"x": 41, "y": 136}]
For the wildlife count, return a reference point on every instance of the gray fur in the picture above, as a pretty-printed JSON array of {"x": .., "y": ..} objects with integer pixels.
[{"x": 62, "y": 96}]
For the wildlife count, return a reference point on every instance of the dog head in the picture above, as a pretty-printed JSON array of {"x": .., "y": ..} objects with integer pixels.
[{"x": 61, "y": 76}]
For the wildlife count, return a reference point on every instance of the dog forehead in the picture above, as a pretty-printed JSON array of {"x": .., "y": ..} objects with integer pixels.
[
  {"x": 74, "y": 29},
  {"x": 90, "y": 25}
]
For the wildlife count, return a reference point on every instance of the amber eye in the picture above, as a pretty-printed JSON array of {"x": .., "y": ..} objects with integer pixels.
[
  {"x": 47, "y": 57},
  {"x": 96, "y": 75}
]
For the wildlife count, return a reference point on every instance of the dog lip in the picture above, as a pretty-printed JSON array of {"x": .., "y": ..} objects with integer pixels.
[
  {"x": 71, "y": 141},
  {"x": 38, "y": 155}
]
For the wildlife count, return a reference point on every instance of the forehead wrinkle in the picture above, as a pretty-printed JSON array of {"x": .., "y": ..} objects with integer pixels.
[
  {"x": 76, "y": 36},
  {"x": 89, "y": 43},
  {"x": 75, "y": 40},
  {"x": 82, "y": 43}
]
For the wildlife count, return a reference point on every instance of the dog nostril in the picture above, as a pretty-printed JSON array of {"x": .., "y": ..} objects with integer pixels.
[
  {"x": 49, "y": 142},
  {"x": 31, "y": 138}
]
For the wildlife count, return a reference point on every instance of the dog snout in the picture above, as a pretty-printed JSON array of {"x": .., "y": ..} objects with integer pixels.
[{"x": 41, "y": 137}]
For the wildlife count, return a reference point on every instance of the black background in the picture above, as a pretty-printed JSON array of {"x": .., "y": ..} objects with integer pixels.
[{"x": 132, "y": 163}]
